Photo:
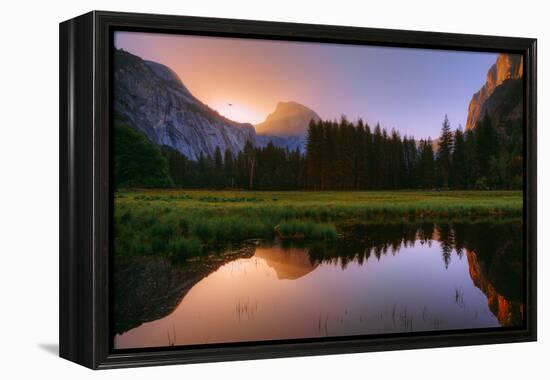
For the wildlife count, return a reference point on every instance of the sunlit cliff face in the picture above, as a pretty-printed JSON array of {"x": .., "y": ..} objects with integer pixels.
[
  {"x": 506, "y": 67},
  {"x": 508, "y": 313}
]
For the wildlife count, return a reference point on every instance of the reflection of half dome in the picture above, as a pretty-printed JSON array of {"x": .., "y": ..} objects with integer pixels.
[
  {"x": 289, "y": 264},
  {"x": 508, "y": 313}
]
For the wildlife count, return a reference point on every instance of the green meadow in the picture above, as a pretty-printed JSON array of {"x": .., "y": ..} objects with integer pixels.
[{"x": 189, "y": 223}]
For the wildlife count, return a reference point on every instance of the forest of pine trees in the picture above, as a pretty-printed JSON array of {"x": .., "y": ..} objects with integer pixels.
[{"x": 347, "y": 156}]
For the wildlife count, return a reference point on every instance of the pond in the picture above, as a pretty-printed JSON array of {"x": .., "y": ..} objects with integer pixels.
[{"x": 375, "y": 280}]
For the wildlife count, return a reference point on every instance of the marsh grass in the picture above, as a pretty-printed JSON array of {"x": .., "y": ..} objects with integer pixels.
[
  {"x": 188, "y": 223},
  {"x": 305, "y": 229}
]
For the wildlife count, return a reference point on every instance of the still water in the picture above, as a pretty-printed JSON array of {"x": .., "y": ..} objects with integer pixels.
[{"x": 414, "y": 280}]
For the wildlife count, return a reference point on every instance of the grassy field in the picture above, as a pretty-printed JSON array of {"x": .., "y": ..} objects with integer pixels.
[{"x": 183, "y": 223}]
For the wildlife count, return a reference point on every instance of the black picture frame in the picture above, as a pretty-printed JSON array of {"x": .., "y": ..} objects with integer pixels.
[{"x": 86, "y": 202}]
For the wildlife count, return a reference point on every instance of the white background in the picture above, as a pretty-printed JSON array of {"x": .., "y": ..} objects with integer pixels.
[{"x": 29, "y": 187}]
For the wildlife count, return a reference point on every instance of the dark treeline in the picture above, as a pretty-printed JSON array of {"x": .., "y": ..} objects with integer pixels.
[
  {"x": 268, "y": 168},
  {"x": 347, "y": 156}
]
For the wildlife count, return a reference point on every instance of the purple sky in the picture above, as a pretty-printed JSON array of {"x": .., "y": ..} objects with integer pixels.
[{"x": 407, "y": 89}]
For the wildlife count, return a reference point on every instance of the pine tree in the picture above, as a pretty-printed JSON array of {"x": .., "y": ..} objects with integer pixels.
[
  {"x": 179, "y": 166},
  {"x": 426, "y": 166},
  {"x": 458, "y": 178},
  {"x": 471, "y": 159},
  {"x": 396, "y": 160},
  {"x": 360, "y": 156},
  {"x": 444, "y": 153},
  {"x": 410, "y": 158},
  {"x": 314, "y": 155},
  {"x": 218, "y": 168},
  {"x": 367, "y": 176},
  {"x": 249, "y": 154},
  {"x": 487, "y": 147},
  {"x": 229, "y": 171},
  {"x": 330, "y": 156},
  {"x": 376, "y": 158}
]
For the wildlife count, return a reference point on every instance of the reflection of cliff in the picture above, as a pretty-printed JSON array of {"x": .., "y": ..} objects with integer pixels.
[
  {"x": 289, "y": 264},
  {"x": 508, "y": 312},
  {"x": 149, "y": 288}
]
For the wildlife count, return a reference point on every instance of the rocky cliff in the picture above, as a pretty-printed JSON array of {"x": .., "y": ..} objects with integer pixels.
[
  {"x": 501, "y": 96},
  {"x": 289, "y": 119},
  {"x": 286, "y": 127},
  {"x": 151, "y": 98}
]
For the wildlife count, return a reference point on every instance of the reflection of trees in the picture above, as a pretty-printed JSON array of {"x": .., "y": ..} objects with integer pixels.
[
  {"x": 362, "y": 242},
  {"x": 498, "y": 243},
  {"x": 497, "y": 246},
  {"x": 446, "y": 237},
  {"x": 426, "y": 232},
  {"x": 459, "y": 239}
]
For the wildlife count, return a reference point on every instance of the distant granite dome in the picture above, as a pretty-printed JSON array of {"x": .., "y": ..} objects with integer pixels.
[
  {"x": 286, "y": 127},
  {"x": 151, "y": 98},
  {"x": 288, "y": 119},
  {"x": 503, "y": 80}
]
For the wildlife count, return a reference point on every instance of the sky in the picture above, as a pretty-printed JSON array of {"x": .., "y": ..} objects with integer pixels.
[{"x": 410, "y": 90}]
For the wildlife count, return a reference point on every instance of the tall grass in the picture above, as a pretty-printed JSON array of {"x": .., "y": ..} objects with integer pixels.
[
  {"x": 305, "y": 229},
  {"x": 186, "y": 224}
]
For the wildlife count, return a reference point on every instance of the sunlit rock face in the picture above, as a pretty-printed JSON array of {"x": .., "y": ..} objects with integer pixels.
[
  {"x": 151, "y": 98},
  {"x": 508, "y": 312},
  {"x": 501, "y": 95},
  {"x": 289, "y": 118},
  {"x": 286, "y": 127}
]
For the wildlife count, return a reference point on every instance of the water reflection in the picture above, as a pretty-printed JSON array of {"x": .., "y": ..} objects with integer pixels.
[
  {"x": 377, "y": 279},
  {"x": 289, "y": 263}
]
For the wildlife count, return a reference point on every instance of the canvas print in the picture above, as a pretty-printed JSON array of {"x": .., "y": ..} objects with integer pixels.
[{"x": 271, "y": 190}]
